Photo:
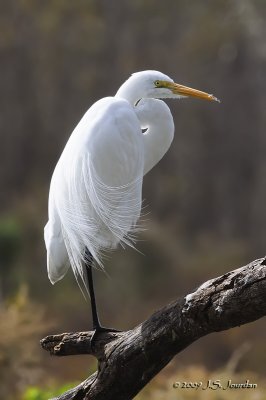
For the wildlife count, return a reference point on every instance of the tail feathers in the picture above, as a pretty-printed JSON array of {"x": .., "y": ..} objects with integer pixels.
[
  {"x": 56, "y": 272},
  {"x": 57, "y": 257}
]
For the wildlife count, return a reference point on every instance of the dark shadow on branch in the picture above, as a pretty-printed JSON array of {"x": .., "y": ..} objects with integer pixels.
[{"x": 127, "y": 361}]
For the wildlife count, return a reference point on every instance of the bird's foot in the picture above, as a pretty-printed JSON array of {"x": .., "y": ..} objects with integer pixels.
[{"x": 100, "y": 329}]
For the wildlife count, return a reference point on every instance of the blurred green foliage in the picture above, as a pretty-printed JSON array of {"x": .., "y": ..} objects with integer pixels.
[
  {"x": 10, "y": 240},
  {"x": 36, "y": 393},
  {"x": 21, "y": 324},
  {"x": 10, "y": 247}
]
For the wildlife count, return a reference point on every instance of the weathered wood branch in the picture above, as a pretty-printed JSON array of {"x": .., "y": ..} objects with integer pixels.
[{"x": 129, "y": 360}]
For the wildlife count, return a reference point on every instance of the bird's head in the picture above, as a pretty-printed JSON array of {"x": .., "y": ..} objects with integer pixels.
[
  {"x": 155, "y": 84},
  {"x": 160, "y": 86}
]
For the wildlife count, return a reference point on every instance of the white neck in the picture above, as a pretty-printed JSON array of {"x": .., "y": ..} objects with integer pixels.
[
  {"x": 130, "y": 92},
  {"x": 155, "y": 116}
]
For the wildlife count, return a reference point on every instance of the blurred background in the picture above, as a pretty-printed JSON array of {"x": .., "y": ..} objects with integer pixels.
[{"x": 205, "y": 201}]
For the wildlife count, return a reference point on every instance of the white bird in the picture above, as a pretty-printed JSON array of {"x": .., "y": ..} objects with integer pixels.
[{"x": 96, "y": 189}]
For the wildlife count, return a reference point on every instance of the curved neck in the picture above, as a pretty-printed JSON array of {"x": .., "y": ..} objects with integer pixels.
[
  {"x": 129, "y": 91},
  {"x": 155, "y": 116}
]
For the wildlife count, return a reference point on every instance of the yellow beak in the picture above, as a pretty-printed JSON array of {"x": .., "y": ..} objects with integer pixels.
[{"x": 187, "y": 91}]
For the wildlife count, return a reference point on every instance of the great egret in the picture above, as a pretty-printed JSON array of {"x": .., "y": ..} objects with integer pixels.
[{"x": 95, "y": 193}]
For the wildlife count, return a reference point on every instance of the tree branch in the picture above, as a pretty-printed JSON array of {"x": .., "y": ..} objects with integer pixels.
[{"x": 129, "y": 360}]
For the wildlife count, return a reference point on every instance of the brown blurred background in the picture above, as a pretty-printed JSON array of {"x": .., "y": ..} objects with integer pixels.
[{"x": 206, "y": 200}]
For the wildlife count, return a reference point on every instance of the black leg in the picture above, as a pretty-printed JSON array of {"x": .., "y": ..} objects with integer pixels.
[{"x": 95, "y": 319}]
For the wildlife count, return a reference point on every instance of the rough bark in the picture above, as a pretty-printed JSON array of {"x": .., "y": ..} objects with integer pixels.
[{"x": 127, "y": 361}]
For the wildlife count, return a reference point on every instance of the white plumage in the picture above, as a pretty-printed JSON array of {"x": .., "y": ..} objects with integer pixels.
[{"x": 96, "y": 189}]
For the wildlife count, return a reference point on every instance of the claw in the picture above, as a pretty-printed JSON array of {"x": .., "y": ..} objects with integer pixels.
[{"x": 101, "y": 329}]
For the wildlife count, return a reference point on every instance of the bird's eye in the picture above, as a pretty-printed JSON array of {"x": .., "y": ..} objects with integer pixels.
[{"x": 157, "y": 83}]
